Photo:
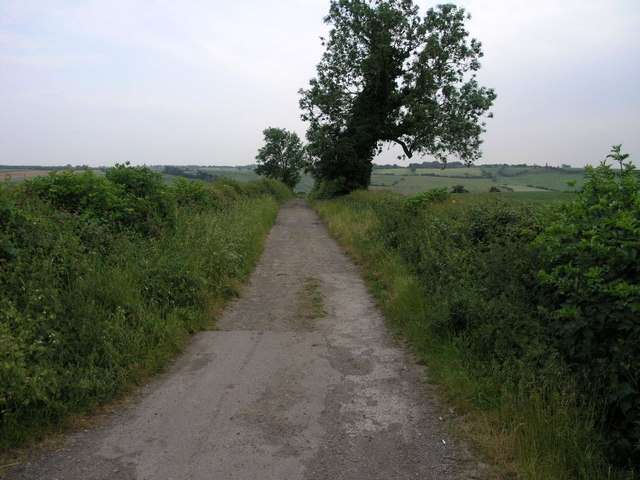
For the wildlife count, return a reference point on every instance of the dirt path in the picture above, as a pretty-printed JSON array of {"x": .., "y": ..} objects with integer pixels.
[{"x": 276, "y": 394}]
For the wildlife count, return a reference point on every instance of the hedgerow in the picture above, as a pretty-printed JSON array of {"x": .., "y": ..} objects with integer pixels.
[
  {"x": 591, "y": 252},
  {"x": 104, "y": 278},
  {"x": 541, "y": 305}
]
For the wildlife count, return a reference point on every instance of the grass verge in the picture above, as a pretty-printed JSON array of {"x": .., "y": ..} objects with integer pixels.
[{"x": 525, "y": 423}]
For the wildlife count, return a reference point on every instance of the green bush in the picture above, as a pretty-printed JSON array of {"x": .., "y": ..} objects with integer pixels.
[
  {"x": 80, "y": 193},
  {"x": 540, "y": 305},
  {"x": 420, "y": 201},
  {"x": 127, "y": 198},
  {"x": 591, "y": 250},
  {"x": 333, "y": 188},
  {"x": 476, "y": 264},
  {"x": 102, "y": 279},
  {"x": 532, "y": 287},
  {"x": 192, "y": 193},
  {"x": 233, "y": 185},
  {"x": 146, "y": 205},
  {"x": 225, "y": 191}
]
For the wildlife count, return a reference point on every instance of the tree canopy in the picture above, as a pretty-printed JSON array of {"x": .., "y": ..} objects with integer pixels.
[
  {"x": 389, "y": 75},
  {"x": 282, "y": 157}
]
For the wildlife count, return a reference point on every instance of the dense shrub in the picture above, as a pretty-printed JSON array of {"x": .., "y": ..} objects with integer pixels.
[
  {"x": 459, "y": 189},
  {"x": 526, "y": 287},
  {"x": 81, "y": 193},
  {"x": 232, "y": 184},
  {"x": 191, "y": 193},
  {"x": 126, "y": 198},
  {"x": 420, "y": 201},
  {"x": 540, "y": 300},
  {"x": 102, "y": 279},
  {"x": 145, "y": 205},
  {"x": 476, "y": 262},
  {"x": 592, "y": 268}
]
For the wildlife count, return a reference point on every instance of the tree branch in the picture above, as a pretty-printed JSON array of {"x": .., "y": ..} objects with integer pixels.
[{"x": 405, "y": 148}]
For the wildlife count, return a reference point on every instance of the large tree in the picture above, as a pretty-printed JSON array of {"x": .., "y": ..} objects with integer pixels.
[
  {"x": 282, "y": 157},
  {"x": 389, "y": 75}
]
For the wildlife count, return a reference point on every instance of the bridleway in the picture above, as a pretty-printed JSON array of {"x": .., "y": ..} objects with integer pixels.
[{"x": 279, "y": 391}]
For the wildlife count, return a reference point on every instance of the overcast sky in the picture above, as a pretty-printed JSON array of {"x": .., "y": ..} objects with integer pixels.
[{"x": 98, "y": 82}]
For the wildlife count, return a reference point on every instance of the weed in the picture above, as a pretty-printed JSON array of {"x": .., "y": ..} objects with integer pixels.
[{"x": 312, "y": 299}]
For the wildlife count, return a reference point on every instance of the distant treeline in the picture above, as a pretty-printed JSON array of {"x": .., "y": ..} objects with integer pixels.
[
  {"x": 198, "y": 174},
  {"x": 196, "y": 167},
  {"x": 152, "y": 167},
  {"x": 436, "y": 164},
  {"x": 42, "y": 167},
  {"x": 436, "y": 175}
]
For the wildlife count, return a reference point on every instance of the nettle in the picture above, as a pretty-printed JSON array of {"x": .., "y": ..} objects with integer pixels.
[{"x": 592, "y": 250}]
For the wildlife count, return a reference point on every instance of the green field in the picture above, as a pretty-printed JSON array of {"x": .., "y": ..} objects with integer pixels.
[{"x": 476, "y": 179}]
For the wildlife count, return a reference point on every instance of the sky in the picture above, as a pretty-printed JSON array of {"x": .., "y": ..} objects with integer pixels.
[{"x": 195, "y": 82}]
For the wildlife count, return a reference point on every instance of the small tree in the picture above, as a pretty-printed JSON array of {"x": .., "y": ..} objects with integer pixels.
[{"x": 282, "y": 157}]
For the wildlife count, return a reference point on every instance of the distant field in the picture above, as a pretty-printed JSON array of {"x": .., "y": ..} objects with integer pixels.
[
  {"x": 463, "y": 172},
  {"x": 16, "y": 175},
  {"x": 19, "y": 174},
  {"x": 530, "y": 197},
  {"x": 476, "y": 179},
  {"x": 243, "y": 175}
]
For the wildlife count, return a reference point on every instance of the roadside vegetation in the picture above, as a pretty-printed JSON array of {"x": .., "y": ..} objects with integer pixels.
[
  {"x": 103, "y": 278},
  {"x": 526, "y": 314}
]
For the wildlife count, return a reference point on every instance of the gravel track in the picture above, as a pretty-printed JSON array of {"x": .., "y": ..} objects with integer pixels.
[{"x": 274, "y": 393}]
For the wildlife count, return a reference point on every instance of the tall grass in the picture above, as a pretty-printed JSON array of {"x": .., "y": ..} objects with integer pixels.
[
  {"x": 90, "y": 306},
  {"x": 458, "y": 302}
]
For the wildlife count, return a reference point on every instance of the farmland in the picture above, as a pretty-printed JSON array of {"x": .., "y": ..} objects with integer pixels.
[
  {"x": 476, "y": 179},
  {"x": 536, "y": 181},
  {"x": 18, "y": 174}
]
